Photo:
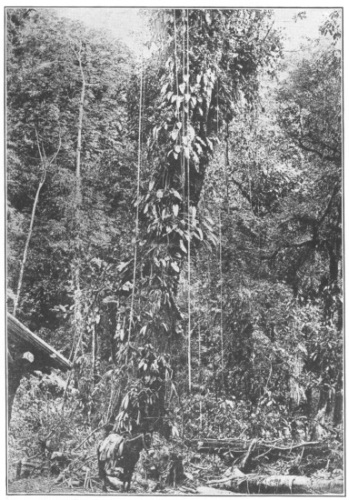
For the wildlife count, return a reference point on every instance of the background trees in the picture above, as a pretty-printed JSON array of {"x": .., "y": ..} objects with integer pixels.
[{"x": 238, "y": 253}]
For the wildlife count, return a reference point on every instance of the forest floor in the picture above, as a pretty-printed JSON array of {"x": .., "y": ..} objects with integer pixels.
[
  {"x": 316, "y": 468},
  {"x": 42, "y": 485}
]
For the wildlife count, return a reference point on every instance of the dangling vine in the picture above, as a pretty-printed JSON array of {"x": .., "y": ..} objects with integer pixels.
[
  {"x": 189, "y": 237},
  {"x": 137, "y": 205},
  {"x": 201, "y": 83}
]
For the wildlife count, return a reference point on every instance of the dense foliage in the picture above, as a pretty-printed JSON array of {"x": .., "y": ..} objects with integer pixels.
[{"x": 174, "y": 223}]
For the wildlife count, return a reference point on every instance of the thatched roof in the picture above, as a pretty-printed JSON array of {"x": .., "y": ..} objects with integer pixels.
[{"x": 44, "y": 354}]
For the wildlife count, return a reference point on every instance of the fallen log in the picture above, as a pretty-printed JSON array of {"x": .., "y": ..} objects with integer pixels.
[
  {"x": 243, "y": 445},
  {"x": 206, "y": 490},
  {"x": 254, "y": 483},
  {"x": 244, "y": 452},
  {"x": 186, "y": 489}
]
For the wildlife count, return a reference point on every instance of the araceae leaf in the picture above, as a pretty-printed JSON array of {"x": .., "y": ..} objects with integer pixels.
[
  {"x": 175, "y": 267},
  {"x": 143, "y": 330},
  {"x": 125, "y": 402},
  {"x": 182, "y": 246},
  {"x": 164, "y": 88}
]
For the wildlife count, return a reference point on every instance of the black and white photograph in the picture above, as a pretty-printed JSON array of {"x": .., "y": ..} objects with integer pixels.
[{"x": 173, "y": 184}]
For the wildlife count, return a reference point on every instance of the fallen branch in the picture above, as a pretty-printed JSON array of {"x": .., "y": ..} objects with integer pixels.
[
  {"x": 253, "y": 483},
  {"x": 199, "y": 467},
  {"x": 306, "y": 444},
  {"x": 221, "y": 481},
  {"x": 248, "y": 454},
  {"x": 187, "y": 490},
  {"x": 205, "y": 490},
  {"x": 245, "y": 444},
  {"x": 252, "y": 450}
]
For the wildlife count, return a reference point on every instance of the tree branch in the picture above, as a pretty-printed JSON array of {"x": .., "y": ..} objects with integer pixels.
[
  {"x": 336, "y": 159},
  {"x": 306, "y": 242},
  {"x": 287, "y": 245}
]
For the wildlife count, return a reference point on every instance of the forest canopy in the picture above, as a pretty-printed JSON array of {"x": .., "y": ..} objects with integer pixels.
[{"x": 174, "y": 228}]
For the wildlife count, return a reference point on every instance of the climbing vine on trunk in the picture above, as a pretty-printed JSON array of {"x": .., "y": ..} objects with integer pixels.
[{"x": 211, "y": 60}]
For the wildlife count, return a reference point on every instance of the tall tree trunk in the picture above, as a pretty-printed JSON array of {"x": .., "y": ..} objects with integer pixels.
[
  {"x": 45, "y": 164},
  {"x": 77, "y": 206},
  {"x": 93, "y": 354},
  {"x": 14, "y": 375},
  {"x": 338, "y": 400},
  {"x": 226, "y": 166},
  {"x": 25, "y": 253},
  {"x": 112, "y": 328},
  {"x": 221, "y": 293}
]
